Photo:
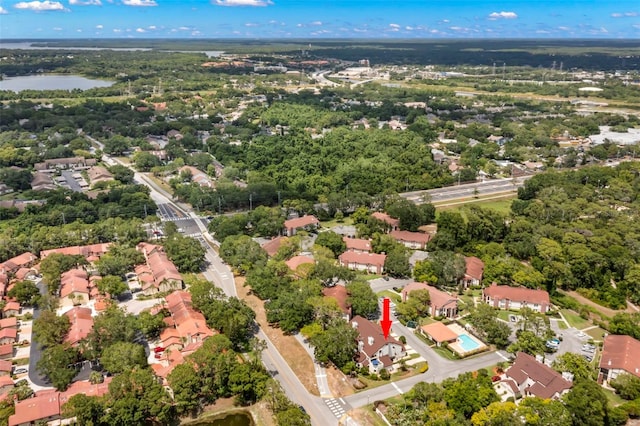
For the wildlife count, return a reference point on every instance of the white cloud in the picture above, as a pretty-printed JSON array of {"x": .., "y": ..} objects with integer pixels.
[
  {"x": 152, "y": 27},
  {"x": 408, "y": 28},
  {"x": 141, "y": 3},
  {"x": 299, "y": 25},
  {"x": 252, "y": 3},
  {"x": 564, "y": 28},
  {"x": 3, "y": 11},
  {"x": 117, "y": 30},
  {"x": 57, "y": 29},
  {"x": 140, "y": 30},
  {"x": 394, "y": 25},
  {"x": 85, "y": 2},
  {"x": 631, "y": 14},
  {"x": 316, "y": 23},
  {"x": 251, "y": 24},
  {"x": 79, "y": 30},
  {"x": 39, "y": 6},
  {"x": 503, "y": 15},
  {"x": 184, "y": 28},
  {"x": 99, "y": 26}
]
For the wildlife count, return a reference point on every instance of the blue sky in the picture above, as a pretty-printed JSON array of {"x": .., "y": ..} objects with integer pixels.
[{"x": 319, "y": 19}]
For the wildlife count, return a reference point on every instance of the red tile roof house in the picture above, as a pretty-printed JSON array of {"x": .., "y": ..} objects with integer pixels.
[
  {"x": 620, "y": 354},
  {"x": 439, "y": 333},
  {"x": 159, "y": 274},
  {"x": 188, "y": 324},
  {"x": 272, "y": 246},
  {"x": 81, "y": 325},
  {"x": 8, "y": 336},
  {"x": 11, "y": 322},
  {"x": 369, "y": 262},
  {"x": 391, "y": 223},
  {"x": 374, "y": 351},
  {"x": 528, "y": 377},
  {"x": 11, "y": 309},
  {"x": 357, "y": 244},
  {"x": 11, "y": 266},
  {"x": 442, "y": 304},
  {"x": 74, "y": 288},
  {"x": 340, "y": 294},
  {"x": 5, "y": 368},
  {"x": 506, "y": 297},
  {"x": 297, "y": 261},
  {"x": 412, "y": 240},
  {"x": 90, "y": 252},
  {"x": 307, "y": 222},
  {"x": 474, "y": 271},
  {"x": 47, "y": 405},
  {"x": 6, "y": 351}
]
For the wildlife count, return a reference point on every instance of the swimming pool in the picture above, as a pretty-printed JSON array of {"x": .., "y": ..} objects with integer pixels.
[{"x": 467, "y": 343}]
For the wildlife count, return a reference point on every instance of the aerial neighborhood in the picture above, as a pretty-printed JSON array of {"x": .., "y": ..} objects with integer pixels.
[{"x": 321, "y": 236}]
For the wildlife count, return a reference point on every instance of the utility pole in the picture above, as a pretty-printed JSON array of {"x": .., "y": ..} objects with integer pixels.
[
  {"x": 219, "y": 205},
  {"x": 64, "y": 220},
  {"x": 145, "y": 211},
  {"x": 279, "y": 200},
  {"x": 251, "y": 202}
]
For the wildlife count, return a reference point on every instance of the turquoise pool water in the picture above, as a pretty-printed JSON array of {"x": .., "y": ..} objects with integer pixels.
[{"x": 467, "y": 343}]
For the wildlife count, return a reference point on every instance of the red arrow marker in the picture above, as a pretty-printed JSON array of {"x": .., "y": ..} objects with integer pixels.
[{"x": 386, "y": 321}]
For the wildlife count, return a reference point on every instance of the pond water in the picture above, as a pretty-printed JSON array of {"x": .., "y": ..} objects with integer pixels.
[
  {"x": 235, "y": 419},
  {"x": 51, "y": 82}
]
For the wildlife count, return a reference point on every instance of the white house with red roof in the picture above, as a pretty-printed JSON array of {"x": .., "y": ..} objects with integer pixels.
[
  {"x": 368, "y": 262},
  {"x": 306, "y": 222},
  {"x": 473, "y": 271},
  {"x": 441, "y": 303},
  {"x": 620, "y": 354},
  {"x": 516, "y": 298},
  {"x": 374, "y": 351},
  {"x": 412, "y": 240}
]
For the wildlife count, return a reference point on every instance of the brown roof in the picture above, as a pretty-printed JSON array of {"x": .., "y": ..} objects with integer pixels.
[
  {"x": 190, "y": 324},
  {"x": 158, "y": 265},
  {"x": 363, "y": 258},
  {"x": 548, "y": 382},
  {"x": 301, "y": 222},
  {"x": 339, "y": 294},
  {"x": 357, "y": 244},
  {"x": 437, "y": 298},
  {"x": 520, "y": 294},
  {"x": 296, "y": 261},
  {"x": 11, "y": 306},
  {"x": 10, "y": 333},
  {"x": 621, "y": 352},
  {"x": 86, "y": 251},
  {"x": 367, "y": 329},
  {"x": 411, "y": 237},
  {"x": 5, "y": 365},
  {"x": 386, "y": 219},
  {"x": 439, "y": 332},
  {"x": 475, "y": 267},
  {"x": 272, "y": 246}
]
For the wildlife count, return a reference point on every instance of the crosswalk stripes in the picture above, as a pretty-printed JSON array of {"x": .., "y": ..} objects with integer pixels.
[{"x": 336, "y": 408}]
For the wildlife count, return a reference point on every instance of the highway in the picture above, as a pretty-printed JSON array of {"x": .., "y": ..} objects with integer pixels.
[{"x": 467, "y": 190}]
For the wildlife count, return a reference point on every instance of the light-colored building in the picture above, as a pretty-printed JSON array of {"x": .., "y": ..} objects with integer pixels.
[
  {"x": 158, "y": 273},
  {"x": 516, "y": 298},
  {"x": 368, "y": 262},
  {"x": 473, "y": 271},
  {"x": 441, "y": 303},
  {"x": 307, "y": 223}
]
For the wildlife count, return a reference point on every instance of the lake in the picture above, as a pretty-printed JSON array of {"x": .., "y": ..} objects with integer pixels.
[{"x": 51, "y": 82}]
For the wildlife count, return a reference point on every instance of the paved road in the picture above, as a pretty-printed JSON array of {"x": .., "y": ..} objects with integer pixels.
[
  {"x": 35, "y": 349},
  {"x": 489, "y": 187}
]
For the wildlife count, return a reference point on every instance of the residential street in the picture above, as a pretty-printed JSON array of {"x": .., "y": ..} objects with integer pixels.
[{"x": 466, "y": 190}]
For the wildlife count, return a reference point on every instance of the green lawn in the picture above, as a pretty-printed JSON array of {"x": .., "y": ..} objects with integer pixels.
[
  {"x": 614, "y": 398},
  {"x": 596, "y": 333},
  {"x": 504, "y": 315},
  {"x": 562, "y": 325},
  {"x": 575, "y": 320},
  {"x": 502, "y": 205},
  {"x": 391, "y": 295}
]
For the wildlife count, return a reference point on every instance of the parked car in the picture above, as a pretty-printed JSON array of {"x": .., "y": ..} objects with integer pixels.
[
  {"x": 158, "y": 349},
  {"x": 20, "y": 371}
]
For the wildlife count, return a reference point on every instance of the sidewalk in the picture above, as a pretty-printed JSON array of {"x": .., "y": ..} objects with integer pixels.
[{"x": 321, "y": 372}]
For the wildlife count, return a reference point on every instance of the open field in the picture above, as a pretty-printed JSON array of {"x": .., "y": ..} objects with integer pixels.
[
  {"x": 501, "y": 203},
  {"x": 574, "y": 319}
]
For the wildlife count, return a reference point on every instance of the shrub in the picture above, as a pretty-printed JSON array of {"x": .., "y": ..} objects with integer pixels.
[
  {"x": 403, "y": 340},
  {"x": 384, "y": 374}
]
